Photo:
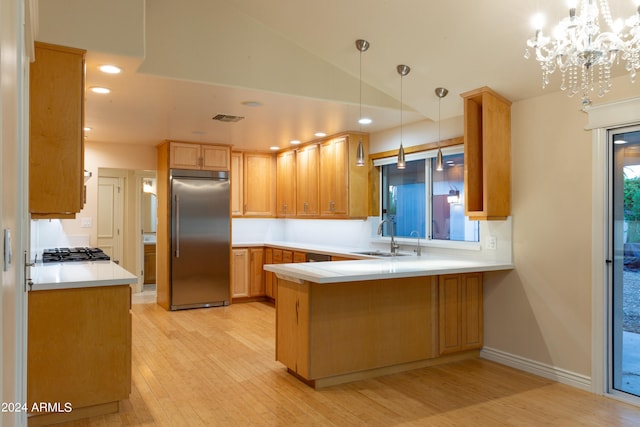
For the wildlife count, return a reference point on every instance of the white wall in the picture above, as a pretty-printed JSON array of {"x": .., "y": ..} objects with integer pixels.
[{"x": 101, "y": 155}]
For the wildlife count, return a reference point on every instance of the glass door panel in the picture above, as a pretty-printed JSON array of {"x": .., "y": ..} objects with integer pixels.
[{"x": 624, "y": 290}]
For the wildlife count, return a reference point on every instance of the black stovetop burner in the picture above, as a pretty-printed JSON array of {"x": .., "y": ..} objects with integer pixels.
[{"x": 73, "y": 254}]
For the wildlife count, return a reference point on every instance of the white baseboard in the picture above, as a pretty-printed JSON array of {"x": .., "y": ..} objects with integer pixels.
[{"x": 580, "y": 381}]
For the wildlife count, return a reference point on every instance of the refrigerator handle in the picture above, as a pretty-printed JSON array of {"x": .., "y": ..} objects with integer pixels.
[{"x": 177, "y": 226}]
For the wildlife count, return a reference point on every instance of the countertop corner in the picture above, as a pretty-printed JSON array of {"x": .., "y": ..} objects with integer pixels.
[{"x": 55, "y": 275}]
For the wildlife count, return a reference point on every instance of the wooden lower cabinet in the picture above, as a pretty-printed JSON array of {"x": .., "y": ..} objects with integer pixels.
[
  {"x": 269, "y": 277},
  {"x": 460, "y": 312},
  {"x": 240, "y": 276},
  {"x": 327, "y": 334},
  {"x": 279, "y": 256},
  {"x": 256, "y": 272},
  {"x": 248, "y": 278},
  {"x": 149, "y": 263},
  {"x": 292, "y": 327},
  {"x": 79, "y": 351}
]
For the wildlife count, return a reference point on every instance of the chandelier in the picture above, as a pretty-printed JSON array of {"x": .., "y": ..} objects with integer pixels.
[{"x": 582, "y": 53}]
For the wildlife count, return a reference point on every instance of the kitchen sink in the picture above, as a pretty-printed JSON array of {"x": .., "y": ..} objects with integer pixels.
[{"x": 378, "y": 254}]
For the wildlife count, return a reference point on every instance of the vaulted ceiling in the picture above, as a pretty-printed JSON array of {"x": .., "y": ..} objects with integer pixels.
[{"x": 185, "y": 62}]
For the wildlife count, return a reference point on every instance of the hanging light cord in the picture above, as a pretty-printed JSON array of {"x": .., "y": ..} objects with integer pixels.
[
  {"x": 439, "y": 119},
  {"x": 401, "y": 77},
  {"x": 360, "y": 118}
]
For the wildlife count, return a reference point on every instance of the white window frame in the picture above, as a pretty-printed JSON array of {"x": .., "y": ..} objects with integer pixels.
[{"x": 427, "y": 242}]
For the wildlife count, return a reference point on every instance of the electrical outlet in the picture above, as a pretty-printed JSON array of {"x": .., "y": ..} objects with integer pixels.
[
  {"x": 85, "y": 222},
  {"x": 492, "y": 243}
]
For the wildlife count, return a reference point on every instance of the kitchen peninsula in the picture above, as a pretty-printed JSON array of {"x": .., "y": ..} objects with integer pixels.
[
  {"x": 79, "y": 340},
  {"x": 342, "y": 321}
]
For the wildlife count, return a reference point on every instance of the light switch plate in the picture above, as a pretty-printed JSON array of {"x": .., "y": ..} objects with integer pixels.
[
  {"x": 492, "y": 243},
  {"x": 85, "y": 222}
]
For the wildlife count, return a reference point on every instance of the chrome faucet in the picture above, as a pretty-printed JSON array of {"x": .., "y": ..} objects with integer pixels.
[
  {"x": 394, "y": 245},
  {"x": 418, "y": 249}
]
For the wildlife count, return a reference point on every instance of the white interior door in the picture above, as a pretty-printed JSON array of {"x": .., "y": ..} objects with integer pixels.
[{"x": 110, "y": 216}]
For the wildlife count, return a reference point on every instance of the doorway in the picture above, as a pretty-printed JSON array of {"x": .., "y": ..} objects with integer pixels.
[
  {"x": 120, "y": 218},
  {"x": 148, "y": 222},
  {"x": 624, "y": 281}
]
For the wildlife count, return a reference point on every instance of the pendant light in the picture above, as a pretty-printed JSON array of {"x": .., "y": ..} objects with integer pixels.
[
  {"x": 440, "y": 93},
  {"x": 403, "y": 70},
  {"x": 362, "y": 46}
]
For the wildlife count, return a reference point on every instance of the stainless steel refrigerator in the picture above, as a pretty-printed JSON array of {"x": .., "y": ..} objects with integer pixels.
[{"x": 200, "y": 239}]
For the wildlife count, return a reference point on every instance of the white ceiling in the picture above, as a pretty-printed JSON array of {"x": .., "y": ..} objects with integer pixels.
[{"x": 298, "y": 58}]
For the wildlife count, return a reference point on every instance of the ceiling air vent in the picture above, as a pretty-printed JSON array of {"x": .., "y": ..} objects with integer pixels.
[{"x": 227, "y": 118}]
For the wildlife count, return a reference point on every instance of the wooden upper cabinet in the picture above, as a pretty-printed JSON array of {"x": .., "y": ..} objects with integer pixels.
[
  {"x": 236, "y": 183},
  {"x": 333, "y": 177},
  {"x": 215, "y": 157},
  {"x": 259, "y": 171},
  {"x": 187, "y": 155},
  {"x": 56, "y": 121},
  {"x": 307, "y": 180},
  {"x": 487, "y": 155},
  {"x": 286, "y": 184},
  {"x": 343, "y": 186}
]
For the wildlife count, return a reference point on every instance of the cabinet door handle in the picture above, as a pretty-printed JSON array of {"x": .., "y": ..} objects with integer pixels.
[{"x": 297, "y": 307}]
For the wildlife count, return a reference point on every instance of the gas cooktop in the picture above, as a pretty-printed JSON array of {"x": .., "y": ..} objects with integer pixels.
[{"x": 73, "y": 254}]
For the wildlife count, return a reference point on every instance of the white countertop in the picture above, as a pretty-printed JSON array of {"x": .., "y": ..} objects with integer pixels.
[
  {"x": 66, "y": 275},
  {"x": 382, "y": 268}
]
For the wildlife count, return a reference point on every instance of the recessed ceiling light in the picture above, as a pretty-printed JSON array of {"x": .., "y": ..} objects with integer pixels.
[
  {"x": 274, "y": 148},
  {"x": 295, "y": 142},
  {"x": 110, "y": 69},
  {"x": 101, "y": 90},
  {"x": 252, "y": 104},
  {"x": 320, "y": 134},
  {"x": 365, "y": 121},
  {"x": 87, "y": 128}
]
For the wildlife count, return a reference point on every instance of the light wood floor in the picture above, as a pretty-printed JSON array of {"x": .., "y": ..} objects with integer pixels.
[{"x": 215, "y": 367}]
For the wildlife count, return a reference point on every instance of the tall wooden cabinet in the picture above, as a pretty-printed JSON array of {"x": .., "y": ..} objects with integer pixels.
[
  {"x": 56, "y": 150},
  {"x": 212, "y": 157},
  {"x": 487, "y": 155}
]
